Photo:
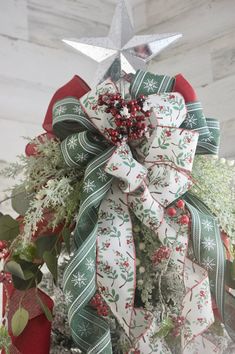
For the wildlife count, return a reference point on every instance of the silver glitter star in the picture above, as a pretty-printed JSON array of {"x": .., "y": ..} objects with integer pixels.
[{"x": 122, "y": 51}]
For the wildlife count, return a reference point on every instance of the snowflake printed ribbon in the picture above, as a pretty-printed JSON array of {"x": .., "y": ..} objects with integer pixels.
[{"x": 144, "y": 180}]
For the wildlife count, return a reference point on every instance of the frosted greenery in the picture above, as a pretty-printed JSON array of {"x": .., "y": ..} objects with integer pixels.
[
  {"x": 50, "y": 184},
  {"x": 5, "y": 340},
  {"x": 214, "y": 185}
]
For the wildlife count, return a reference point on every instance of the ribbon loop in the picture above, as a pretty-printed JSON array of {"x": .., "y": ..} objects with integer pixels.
[
  {"x": 170, "y": 145},
  {"x": 123, "y": 166},
  {"x": 168, "y": 109},
  {"x": 69, "y": 117},
  {"x": 146, "y": 83}
]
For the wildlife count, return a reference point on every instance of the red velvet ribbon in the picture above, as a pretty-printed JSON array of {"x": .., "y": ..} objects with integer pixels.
[
  {"x": 183, "y": 86},
  {"x": 76, "y": 87}
]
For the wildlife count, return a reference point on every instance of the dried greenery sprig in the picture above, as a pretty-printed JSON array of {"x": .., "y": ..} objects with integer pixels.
[{"x": 214, "y": 185}]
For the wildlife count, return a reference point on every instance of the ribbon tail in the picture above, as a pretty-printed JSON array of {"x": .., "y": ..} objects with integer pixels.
[{"x": 89, "y": 331}]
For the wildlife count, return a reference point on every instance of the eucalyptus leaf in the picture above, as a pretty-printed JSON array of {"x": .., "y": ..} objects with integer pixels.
[
  {"x": 233, "y": 270},
  {"x": 229, "y": 274},
  {"x": 66, "y": 237},
  {"x": 21, "y": 284},
  {"x": 19, "y": 200},
  {"x": 51, "y": 261},
  {"x": 15, "y": 269},
  {"x": 9, "y": 228},
  {"x": 45, "y": 309},
  {"x": 19, "y": 321},
  {"x": 45, "y": 243}
]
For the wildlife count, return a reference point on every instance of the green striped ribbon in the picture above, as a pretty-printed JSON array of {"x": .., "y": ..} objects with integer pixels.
[
  {"x": 208, "y": 128},
  {"x": 208, "y": 247},
  {"x": 90, "y": 332},
  {"x": 146, "y": 83},
  {"x": 69, "y": 118}
]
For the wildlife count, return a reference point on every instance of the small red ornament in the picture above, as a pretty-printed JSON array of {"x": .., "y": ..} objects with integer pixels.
[
  {"x": 171, "y": 212},
  {"x": 180, "y": 204},
  {"x": 184, "y": 220}
]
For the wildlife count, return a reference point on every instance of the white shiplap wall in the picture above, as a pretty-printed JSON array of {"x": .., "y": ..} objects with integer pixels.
[{"x": 34, "y": 62}]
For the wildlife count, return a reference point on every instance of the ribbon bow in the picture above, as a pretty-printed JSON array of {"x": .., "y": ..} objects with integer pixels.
[{"x": 142, "y": 179}]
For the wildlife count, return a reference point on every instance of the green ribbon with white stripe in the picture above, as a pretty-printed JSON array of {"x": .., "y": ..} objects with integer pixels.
[
  {"x": 145, "y": 83},
  {"x": 208, "y": 247},
  {"x": 208, "y": 129},
  {"x": 90, "y": 332}
]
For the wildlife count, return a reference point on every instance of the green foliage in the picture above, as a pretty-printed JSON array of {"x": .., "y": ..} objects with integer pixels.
[
  {"x": 50, "y": 259},
  {"x": 230, "y": 274},
  {"x": 9, "y": 228},
  {"x": 66, "y": 237},
  {"x": 5, "y": 339},
  {"x": 20, "y": 200},
  {"x": 21, "y": 251},
  {"x": 50, "y": 186},
  {"x": 45, "y": 243},
  {"x": 25, "y": 275},
  {"x": 45, "y": 309},
  {"x": 19, "y": 321},
  {"x": 166, "y": 326},
  {"x": 214, "y": 185}
]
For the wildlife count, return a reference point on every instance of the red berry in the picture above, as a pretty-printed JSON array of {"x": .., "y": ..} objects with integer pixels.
[
  {"x": 114, "y": 139},
  {"x": 143, "y": 126},
  {"x": 147, "y": 114},
  {"x": 184, "y": 220},
  {"x": 113, "y": 111},
  {"x": 113, "y": 133},
  {"x": 171, "y": 212},
  {"x": 138, "y": 125},
  {"x": 129, "y": 123},
  {"x": 118, "y": 123},
  {"x": 3, "y": 244},
  {"x": 180, "y": 204},
  {"x": 5, "y": 253}
]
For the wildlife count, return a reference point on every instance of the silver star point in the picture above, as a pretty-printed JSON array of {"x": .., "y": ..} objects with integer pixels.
[{"x": 122, "y": 51}]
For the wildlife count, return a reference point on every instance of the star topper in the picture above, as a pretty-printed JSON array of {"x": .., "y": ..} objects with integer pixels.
[{"x": 122, "y": 51}]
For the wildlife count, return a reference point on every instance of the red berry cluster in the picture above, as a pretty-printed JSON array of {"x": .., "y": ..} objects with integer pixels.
[
  {"x": 4, "y": 252},
  {"x": 172, "y": 212},
  {"x": 129, "y": 116},
  {"x": 98, "y": 303},
  {"x": 178, "y": 322},
  {"x": 161, "y": 254},
  {"x": 5, "y": 277}
]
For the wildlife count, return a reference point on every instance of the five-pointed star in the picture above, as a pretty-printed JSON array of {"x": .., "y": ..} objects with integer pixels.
[{"x": 121, "y": 50}]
